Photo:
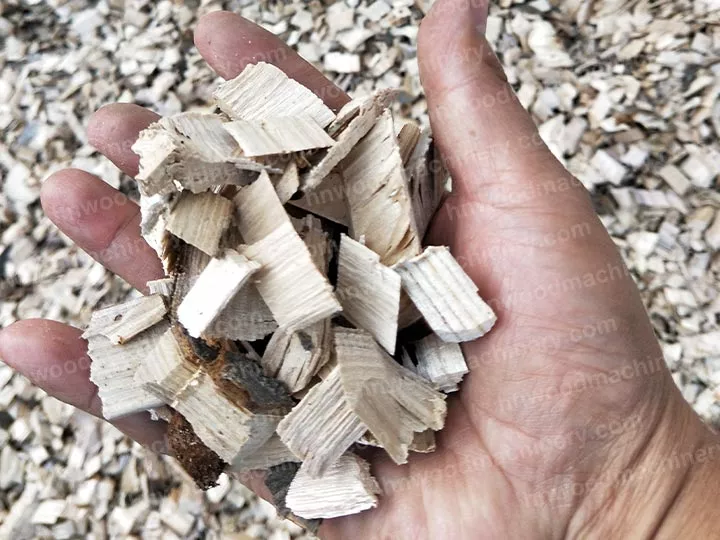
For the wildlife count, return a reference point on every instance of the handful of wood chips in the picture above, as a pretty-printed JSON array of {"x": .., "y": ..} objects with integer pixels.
[{"x": 300, "y": 316}]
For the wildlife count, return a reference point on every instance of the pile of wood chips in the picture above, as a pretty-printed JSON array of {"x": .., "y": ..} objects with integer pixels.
[{"x": 300, "y": 314}]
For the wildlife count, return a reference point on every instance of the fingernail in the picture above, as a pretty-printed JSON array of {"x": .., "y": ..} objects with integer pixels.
[{"x": 479, "y": 14}]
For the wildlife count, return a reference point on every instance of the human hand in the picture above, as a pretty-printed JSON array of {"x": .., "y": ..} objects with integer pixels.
[{"x": 567, "y": 396}]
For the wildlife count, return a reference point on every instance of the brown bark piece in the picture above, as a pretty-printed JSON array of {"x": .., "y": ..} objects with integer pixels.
[{"x": 201, "y": 463}]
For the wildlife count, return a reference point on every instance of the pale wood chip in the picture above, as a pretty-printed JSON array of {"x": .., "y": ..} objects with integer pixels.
[
  {"x": 200, "y": 220},
  {"x": 322, "y": 426},
  {"x": 369, "y": 292},
  {"x": 49, "y": 511},
  {"x": 189, "y": 151},
  {"x": 157, "y": 149},
  {"x": 392, "y": 401},
  {"x": 245, "y": 318},
  {"x": 122, "y": 322},
  {"x": 427, "y": 181},
  {"x": 210, "y": 142},
  {"x": 296, "y": 357},
  {"x": 326, "y": 200},
  {"x": 675, "y": 179},
  {"x": 342, "y": 62},
  {"x": 259, "y": 210},
  {"x": 316, "y": 239},
  {"x": 154, "y": 211},
  {"x": 272, "y": 453},
  {"x": 446, "y": 296},
  {"x": 354, "y": 121},
  {"x": 188, "y": 264},
  {"x": 296, "y": 292},
  {"x": 278, "y": 135},
  {"x": 288, "y": 184},
  {"x": 162, "y": 286},
  {"x": 264, "y": 91},
  {"x": 113, "y": 369},
  {"x": 216, "y": 286},
  {"x": 377, "y": 195},
  {"x": 441, "y": 363},
  {"x": 408, "y": 139},
  {"x": 346, "y": 488},
  {"x": 423, "y": 442}
]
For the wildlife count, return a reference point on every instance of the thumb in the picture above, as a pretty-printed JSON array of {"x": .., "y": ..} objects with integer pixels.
[
  {"x": 518, "y": 221},
  {"x": 480, "y": 126}
]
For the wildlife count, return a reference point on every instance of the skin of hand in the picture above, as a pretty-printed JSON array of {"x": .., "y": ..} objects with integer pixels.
[{"x": 568, "y": 425}]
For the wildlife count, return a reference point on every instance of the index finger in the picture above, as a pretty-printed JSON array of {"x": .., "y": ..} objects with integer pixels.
[{"x": 229, "y": 42}]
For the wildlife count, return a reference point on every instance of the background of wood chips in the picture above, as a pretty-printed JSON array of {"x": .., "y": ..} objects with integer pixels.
[{"x": 625, "y": 92}]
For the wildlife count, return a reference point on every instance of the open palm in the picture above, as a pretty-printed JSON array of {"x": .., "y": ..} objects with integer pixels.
[{"x": 566, "y": 396}]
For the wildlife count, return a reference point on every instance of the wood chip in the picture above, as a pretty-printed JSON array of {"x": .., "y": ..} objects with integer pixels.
[
  {"x": 288, "y": 184},
  {"x": 233, "y": 433},
  {"x": 288, "y": 280},
  {"x": 322, "y": 426},
  {"x": 441, "y": 363},
  {"x": 201, "y": 220},
  {"x": 327, "y": 200},
  {"x": 675, "y": 179},
  {"x": 218, "y": 284},
  {"x": 369, "y": 292},
  {"x": 446, "y": 296},
  {"x": 295, "y": 357},
  {"x": 354, "y": 121},
  {"x": 342, "y": 62},
  {"x": 245, "y": 318},
  {"x": 259, "y": 210},
  {"x": 427, "y": 180},
  {"x": 190, "y": 151},
  {"x": 377, "y": 195},
  {"x": 263, "y": 91},
  {"x": 113, "y": 369},
  {"x": 272, "y": 453},
  {"x": 49, "y": 511},
  {"x": 123, "y": 322},
  {"x": 393, "y": 402},
  {"x": 346, "y": 488},
  {"x": 164, "y": 287},
  {"x": 278, "y": 135}
]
